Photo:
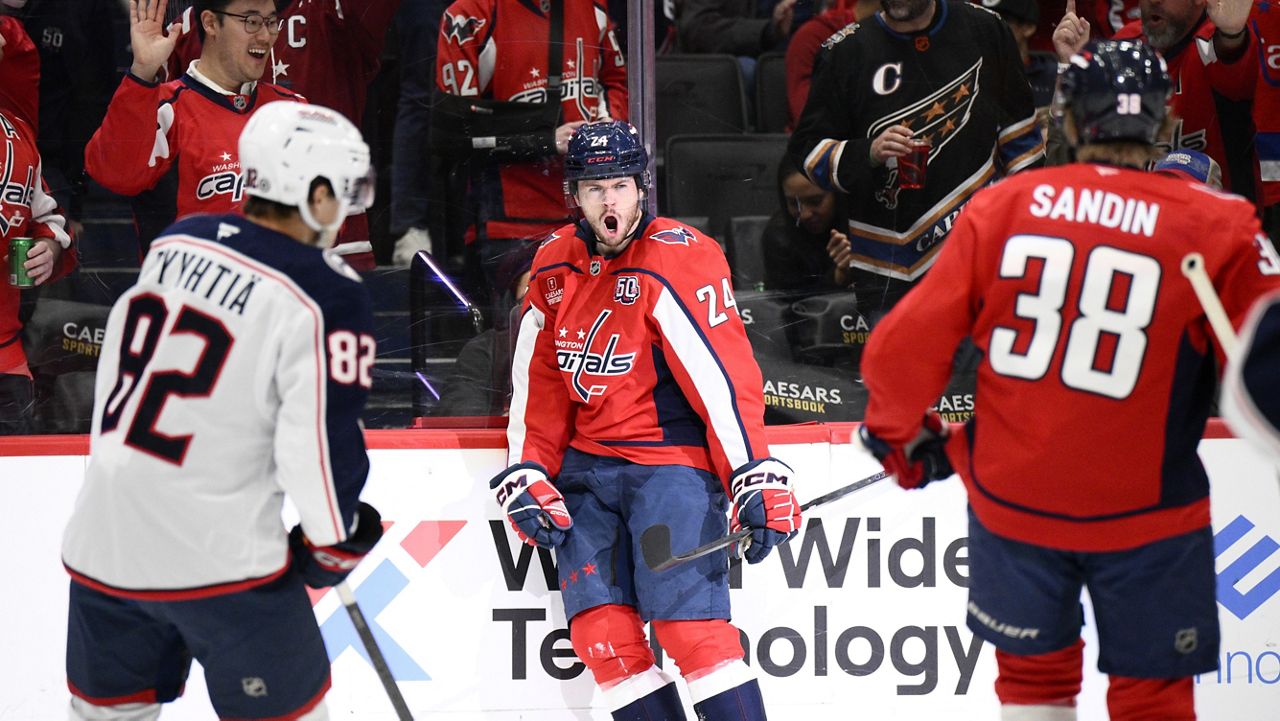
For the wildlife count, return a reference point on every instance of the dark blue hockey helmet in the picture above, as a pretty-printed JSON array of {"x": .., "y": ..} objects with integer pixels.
[
  {"x": 1115, "y": 90},
  {"x": 605, "y": 150}
]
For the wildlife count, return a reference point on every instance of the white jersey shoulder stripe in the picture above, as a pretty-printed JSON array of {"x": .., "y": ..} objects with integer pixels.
[
  {"x": 531, "y": 323},
  {"x": 709, "y": 375}
]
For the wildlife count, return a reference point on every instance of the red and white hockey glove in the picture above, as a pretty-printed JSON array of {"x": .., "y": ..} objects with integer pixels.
[
  {"x": 534, "y": 508},
  {"x": 323, "y": 566},
  {"x": 763, "y": 501},
  {"x": 921, "y": 460}
]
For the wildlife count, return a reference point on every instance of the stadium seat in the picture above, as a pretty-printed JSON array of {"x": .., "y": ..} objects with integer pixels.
[
  {"x": 698, "y": 94},
  {"x": 771, "y": 93},
  {"x": 722, "y": 176},
  {"x": 766, "y": 316},
  {"x": 746, "y": 250}
]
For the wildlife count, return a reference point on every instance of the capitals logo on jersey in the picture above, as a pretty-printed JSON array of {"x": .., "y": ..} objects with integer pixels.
[
  {"x": 460, "y": 29},
  {"x": 13, "y": 192},
  {"x": 577, "y": 358},
  {"x": 674, "y": 236}
]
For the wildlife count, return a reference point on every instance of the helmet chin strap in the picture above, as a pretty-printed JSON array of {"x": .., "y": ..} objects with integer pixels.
[{"x": 326, "y": 233}]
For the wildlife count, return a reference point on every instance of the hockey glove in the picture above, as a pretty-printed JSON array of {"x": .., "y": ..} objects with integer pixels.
[
  {"x": 323, "y": 566},
  {"x": 920, "y": 461},
  {"x": 763, "y": 501},
  {"x": 534, "y": 508}
]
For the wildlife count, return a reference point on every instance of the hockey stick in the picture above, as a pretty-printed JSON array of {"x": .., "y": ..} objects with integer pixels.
[
  {"x": 655, "y": 542},
  {"x": 375, "y": 653},
  {"x": 1193, "y": 268}
]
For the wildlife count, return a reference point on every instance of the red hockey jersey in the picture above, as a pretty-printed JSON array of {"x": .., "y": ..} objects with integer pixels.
[
  {"x": 1265, "y": 24},
  {"x": 188, "y": 121},
  {"x": 1097, "y": 373},
  {"x": 27, "y": 210},
  {"x": 19, "y": 72},
  {"x": 326, "y": 50},
  {"x": 641, "y": 356},
  {"x": 1198, "y": 76},
  {"x": 497, "y": 49}
]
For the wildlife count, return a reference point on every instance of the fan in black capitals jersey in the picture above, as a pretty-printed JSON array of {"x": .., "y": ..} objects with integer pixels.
[
  {"x": 233, "y": 373},
  {"x": 943, "y": 72}
]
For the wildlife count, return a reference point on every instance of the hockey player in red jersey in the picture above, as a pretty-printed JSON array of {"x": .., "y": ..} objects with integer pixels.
[
  {"x": 1211, "y": 60},
  {"x": 233, "y": 372},
  {"x": 193, "y": 122},
  {"x": 1097, "y": 376},
  {"x": 636, "y": 403}
]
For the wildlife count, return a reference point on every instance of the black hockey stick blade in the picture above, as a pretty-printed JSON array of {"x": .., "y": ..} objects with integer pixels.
[
  {"x": 655, "y": 542},
  {"x": 375, "y": 654}
]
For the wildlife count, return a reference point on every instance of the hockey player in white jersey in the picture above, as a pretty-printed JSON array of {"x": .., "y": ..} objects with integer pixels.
[
  {"x": 1251, "y": 383},
  {"x": 234, "y": 372}
]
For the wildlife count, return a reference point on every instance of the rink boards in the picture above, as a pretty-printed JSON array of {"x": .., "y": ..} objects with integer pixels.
[{"x": 862, "y": 615}]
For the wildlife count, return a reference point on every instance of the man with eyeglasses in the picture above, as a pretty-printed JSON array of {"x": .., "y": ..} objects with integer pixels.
[
  {"x": 189, "y": 125},
  {"x": 327, "y": 51}
]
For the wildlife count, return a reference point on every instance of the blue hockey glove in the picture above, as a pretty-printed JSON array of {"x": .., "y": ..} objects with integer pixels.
[
  {"x": 323, "y": 566},
  {"x": 763, "y": 501},
  {"x": 534, "y": 508},
  {"x": 920, "y": 461}
]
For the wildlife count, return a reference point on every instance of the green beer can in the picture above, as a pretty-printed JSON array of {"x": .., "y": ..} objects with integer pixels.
[{"x": 18, "y": 250}]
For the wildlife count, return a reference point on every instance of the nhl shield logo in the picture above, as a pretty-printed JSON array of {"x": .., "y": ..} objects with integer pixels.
[
  {"x": 253, "y": 686},
  {"x": 240, "y": 102},
  {"x": 1185, "y": 640},
  {"x": 595, "y": 267},
  {"x": 627, "y": 290}
]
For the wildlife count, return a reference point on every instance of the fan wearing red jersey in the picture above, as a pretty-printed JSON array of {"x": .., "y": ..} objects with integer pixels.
[
  {"x": 637, "y": 403},
  {"x": 192, "y": 123},
  {"x": 329, "y": 53},
  {"x": 1095, "y": 385},
  {"x": 1212, "y": 62}
]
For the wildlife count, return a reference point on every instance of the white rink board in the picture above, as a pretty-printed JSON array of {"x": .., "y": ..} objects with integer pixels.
[{"x": 862, "y": 617}]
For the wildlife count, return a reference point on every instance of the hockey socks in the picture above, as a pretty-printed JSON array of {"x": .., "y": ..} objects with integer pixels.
[
  {"x": 648, "y": 696},
  {"x": 740, "y": 703}
]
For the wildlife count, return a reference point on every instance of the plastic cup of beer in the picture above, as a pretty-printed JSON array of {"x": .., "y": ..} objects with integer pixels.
[{"x": 912, "y": 166}]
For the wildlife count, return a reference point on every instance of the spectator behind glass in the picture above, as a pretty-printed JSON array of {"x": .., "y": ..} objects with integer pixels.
[
  {"x": 32, "y": 214},
  {"x": 796, "y": 239},
  {"x": 802, "y": 51},
  {"x": 1265, "y": 22},
  {"x": 418, "y": 29},
  {"x": 19, "y": 72},
  {"x": 77, "y": 43},
  {"x": 328, "y": 52},
  {"x": 1023, "y": 17},
  {"x": 944, "y": 72},
  {"x": 480, "y": 384},
  {"x": 498, "y": 50},
  {"x": 745, "y": 28},
  {"x": 191, "y": 124},
  {"x": 1221, "y": 64}
]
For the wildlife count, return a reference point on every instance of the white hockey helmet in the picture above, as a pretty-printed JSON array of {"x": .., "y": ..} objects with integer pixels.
[{"x": 286, "y": 145}]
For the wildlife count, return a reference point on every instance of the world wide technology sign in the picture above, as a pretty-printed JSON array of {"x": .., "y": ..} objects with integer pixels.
[{"x": 865, "y": 609}]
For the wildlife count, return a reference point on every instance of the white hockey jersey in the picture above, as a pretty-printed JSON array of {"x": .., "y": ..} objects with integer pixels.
[{"x": 233, "y": 372}]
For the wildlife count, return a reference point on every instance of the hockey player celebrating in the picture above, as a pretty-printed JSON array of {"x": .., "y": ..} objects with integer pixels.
[
  {"x": 636, "y": 391},
  {"x": 1093, "y": 393},
  {"x": 233, "y": 372}
]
